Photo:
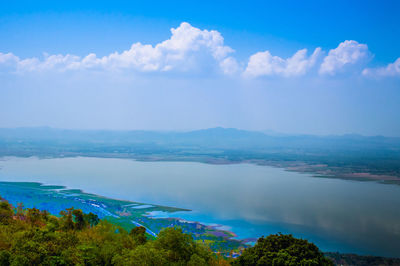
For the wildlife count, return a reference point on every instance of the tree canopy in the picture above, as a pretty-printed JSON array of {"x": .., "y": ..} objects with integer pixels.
[
  {"x": 35, "y": 237},
  {"x": 282, "y": 249}
]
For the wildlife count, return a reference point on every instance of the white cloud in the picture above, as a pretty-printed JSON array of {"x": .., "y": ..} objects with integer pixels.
[
  {"x": 8, "y": 60},
  {"x": 187, "y": 47},
  {"x": 192, "y": 50},
  {"x": 391, "y": 70},
  {"x": 348, "y": 53},
  {"x": 183, "y": 51},
  {"x": 229, "y": 66},
  {"x": 265, "y": 64}
]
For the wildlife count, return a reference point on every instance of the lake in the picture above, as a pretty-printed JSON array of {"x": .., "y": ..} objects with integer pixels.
[{"x": 249, "y": 200}]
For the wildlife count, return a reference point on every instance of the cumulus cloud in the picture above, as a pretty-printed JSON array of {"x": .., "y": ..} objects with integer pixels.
[
  {"x": 391, "y": 70},
  {"x": 8, "y": 60},
  {"x": 229, "y": 66},
  {"x": 265, "y": 64},
  {"x": 192, "y": 50},
  {"x": 186, "y": 47},
  {"x": 348, "y": 53}
]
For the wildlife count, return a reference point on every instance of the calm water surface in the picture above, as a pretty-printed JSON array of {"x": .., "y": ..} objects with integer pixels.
[{"x": 250, "y": 200}]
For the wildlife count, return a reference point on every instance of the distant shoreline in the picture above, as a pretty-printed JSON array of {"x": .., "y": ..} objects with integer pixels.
[{"x": 315, "y": 170}]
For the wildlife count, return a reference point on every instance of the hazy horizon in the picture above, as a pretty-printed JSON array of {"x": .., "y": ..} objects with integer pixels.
[{"x": 266, "y": 132}]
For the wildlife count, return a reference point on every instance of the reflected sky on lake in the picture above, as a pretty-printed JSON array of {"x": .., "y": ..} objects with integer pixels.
[{"x": 338, "y": 215}]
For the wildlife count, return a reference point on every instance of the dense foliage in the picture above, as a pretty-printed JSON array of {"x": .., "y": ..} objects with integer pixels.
[
  {"x": 34, "y": 237},
  {"x": 282, "y": 250}
]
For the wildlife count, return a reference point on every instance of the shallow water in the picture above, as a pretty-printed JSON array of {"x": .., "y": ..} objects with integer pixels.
[{"x": 250, "y": 200}]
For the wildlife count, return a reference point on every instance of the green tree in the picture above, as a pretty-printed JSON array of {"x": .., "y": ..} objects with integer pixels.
[
  {"x": 143, "y": 255},
  {"x": 53, "y": 224},
  {"x": 282, "y": 249},
  {"x": 6, "y": 212},
  {"x": 5, "y": 257},
  {"x": 19, "y": 260},
  {"x": 80, "y": 222},
  {"x": 34, "y": 216},
  {"x": 196, "y": 260},
  {"x": 178, "y": 246},
  {"x": 91, "y": 219},
  {"x": 139, "y": 235},
  {"x": 90, "y": 254},
  {"x": 66, "y": 221}
]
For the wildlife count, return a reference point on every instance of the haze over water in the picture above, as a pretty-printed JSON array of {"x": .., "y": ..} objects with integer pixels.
[{"x": 250, "y": 200}]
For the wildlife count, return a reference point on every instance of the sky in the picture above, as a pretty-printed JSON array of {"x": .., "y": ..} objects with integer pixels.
[{"x": 295, "y": 67}]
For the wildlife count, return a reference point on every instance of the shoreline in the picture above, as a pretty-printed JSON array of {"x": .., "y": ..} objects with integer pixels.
[
  {"x": 34, "y": 169},
  {"x": 290, "y": 166},
  {"x": 122, "y": 214}
]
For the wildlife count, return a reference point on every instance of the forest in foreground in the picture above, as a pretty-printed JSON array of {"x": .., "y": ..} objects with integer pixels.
[{"x": 29, "y": 236}]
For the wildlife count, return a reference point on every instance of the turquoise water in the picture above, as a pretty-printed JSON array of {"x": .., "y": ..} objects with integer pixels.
[{"x": 250, "y": 200}]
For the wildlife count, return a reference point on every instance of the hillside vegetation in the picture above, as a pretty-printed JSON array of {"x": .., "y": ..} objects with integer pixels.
[{"x": 35, "y": 237}]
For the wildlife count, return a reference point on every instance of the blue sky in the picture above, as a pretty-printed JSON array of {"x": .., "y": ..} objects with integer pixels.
[{"x": 231, "y": 63}]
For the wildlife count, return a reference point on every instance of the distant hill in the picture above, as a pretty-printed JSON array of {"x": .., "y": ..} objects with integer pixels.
[
  {"x": 228, "y": 138},
  {"x": 347, "y": 156}
]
